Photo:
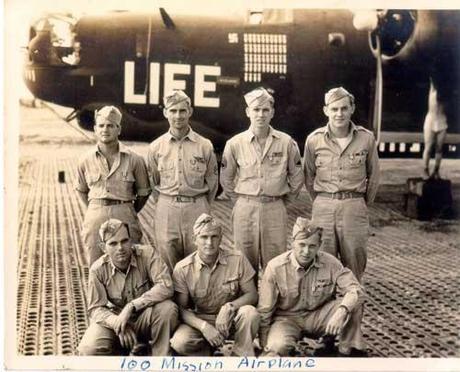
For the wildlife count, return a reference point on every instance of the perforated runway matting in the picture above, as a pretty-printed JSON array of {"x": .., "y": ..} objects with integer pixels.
[{"x": 412, "y": 278}]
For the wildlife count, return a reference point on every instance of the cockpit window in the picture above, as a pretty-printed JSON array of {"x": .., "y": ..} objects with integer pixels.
[{"x": 258, "y": 16}]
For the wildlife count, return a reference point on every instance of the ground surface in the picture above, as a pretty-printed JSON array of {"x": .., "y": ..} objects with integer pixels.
[{"x": 412, "y": 278}]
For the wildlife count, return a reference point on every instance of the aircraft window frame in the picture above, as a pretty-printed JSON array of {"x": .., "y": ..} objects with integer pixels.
[{"x": 259, "y": 16}]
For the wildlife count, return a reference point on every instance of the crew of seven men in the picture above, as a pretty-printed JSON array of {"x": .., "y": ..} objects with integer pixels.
[{"x": 313, "y": 288}]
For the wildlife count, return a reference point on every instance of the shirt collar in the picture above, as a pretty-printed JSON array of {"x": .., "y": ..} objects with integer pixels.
[
  {"x": 191, "y": 135},
  {"x": 121, "y": 148},
  {"x": 221, "y": 259},
  {"x": 328, "y": 132},
  {"x": 249, "y": 134},
  {"x": 296, "y": 264},
  {"x": 113, "y": 269}
]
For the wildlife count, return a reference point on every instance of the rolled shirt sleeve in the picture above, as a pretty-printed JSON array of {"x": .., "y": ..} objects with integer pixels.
[
  {"x": 347, "y": 285},
  {"x": 80, "y": 183},
  {"x": 246, "y": 272},
  {"x": 152, "y": 167},
  {"x": 162, "y": 285},
  {"x": 295, "y": 176},
  {"x": 142, "y": 183},
  {"x": 268, "y": 297},
  {"x": 180, "y": 283},
  {"x": 211, "y": 175},
  {"x": 228, "y": 171},
  {"x": 98, "y": 309},
  {"x": 309, "y": 168},
  {"x": 373, "y": 171}
]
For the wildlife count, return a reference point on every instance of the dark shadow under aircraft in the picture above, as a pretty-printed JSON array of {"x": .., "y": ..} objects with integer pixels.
[{"x": 130, "y": 59}]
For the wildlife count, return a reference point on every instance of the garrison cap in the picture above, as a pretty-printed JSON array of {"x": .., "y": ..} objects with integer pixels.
[
  {"x": 205, "y": 222},
  {"x": 304, "y": 228},
  {"x": 175, "y": 97},
  {"x": 337, "y": 93},
  {"x": 258, "y": 96},
  {"x": 110, "y": 227},
  {"x": 110, "y": 113}
]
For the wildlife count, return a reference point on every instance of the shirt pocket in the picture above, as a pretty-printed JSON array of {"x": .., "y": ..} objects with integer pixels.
[
  {"x": 323, "y": 290},
  {"x": 141, "y": 288},
  {"x": 277, "y": 164},
  {"x": 356, "y": 165},
  {"x": 247, "y": 169},
  {"x": 167, "y": 172},
  {"x": 196, "y": 171},
  {"x": 231, "y": 287},
  {"x": 93, "y": 177},
  {"x": 323, "y": 163}
]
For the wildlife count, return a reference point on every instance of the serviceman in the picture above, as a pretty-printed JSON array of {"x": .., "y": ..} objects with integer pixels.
[
  {"x": 341, "y": 168},
  {"x": 112, "y": 181},
  {"x": 183, "y": 170},
  {"x": 298, "y": 295},
  {"x": 129, "y": 291},
  {"x": 434, "y": 132},
  {"x": 215, "y": 292},
  {"x": 261, "y": 167}
]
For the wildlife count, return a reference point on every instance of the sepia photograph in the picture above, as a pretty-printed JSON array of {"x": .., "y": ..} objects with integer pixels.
[{"x": 247, "y": 186}]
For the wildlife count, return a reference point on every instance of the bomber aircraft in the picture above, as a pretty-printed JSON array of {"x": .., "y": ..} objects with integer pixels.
[{"x": 386, "y": 58}]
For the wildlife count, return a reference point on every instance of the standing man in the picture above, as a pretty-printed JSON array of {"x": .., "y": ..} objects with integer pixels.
[
  {"x": 111, "y": 180},
  {"x": 299, "y": 292},
  {"x": 215, "y": 292},
  {"x": 129, "y": 291},
  {"x": 183, "y": 169},
  {"x": 341, "y": 168},
  {"x": 260, "y": 168}
]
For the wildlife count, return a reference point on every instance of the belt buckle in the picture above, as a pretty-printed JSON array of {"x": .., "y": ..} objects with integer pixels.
[{"x": 340, "y": 195}]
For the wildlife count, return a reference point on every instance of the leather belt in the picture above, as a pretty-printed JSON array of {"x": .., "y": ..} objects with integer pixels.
[
  {"x": 106, "y": 202},
  {"x": 182, "y": 199},
  {"x": 340, "y": 195},
  {"x": 261, "y": 198}
]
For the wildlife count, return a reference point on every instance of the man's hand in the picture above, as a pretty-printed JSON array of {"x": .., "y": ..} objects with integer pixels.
[
  {"x": 122, "y": 318},
  {"x": 212, "y": 335},
  {"x": 128, "y": 338},
  {"x": 337, "y": 321},
  {"x": 224, "y": 319}
]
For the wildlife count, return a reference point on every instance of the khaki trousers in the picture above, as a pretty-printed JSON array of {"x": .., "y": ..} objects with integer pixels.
[
  {"x": 190, "y": 341},
  {"x": 259, "y": 229},
  {"x": 346, "y": 230},
  {"x": 174, "y": 227},
  {"x": 155, "y": 324},
  {"x": 285, "y": 331}
]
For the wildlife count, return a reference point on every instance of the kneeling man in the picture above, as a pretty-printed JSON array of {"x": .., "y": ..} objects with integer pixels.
[
  {"x": 298, "y": 294},
  {"x": 129, "y": 293},
  {"x": 215, "y": 292}
]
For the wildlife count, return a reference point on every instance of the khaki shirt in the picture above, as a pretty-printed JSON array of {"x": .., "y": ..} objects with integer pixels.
[
  {"x": 186, "y": 167},
  {"x": 274, "y": 171},
  {"x": 328, "y": 168},
  {"x": 211, "y": 288},
  {"x": 146, "y": 283},
  {"x": 126, "y": 179},
  {"x": 287, "y": 289}
]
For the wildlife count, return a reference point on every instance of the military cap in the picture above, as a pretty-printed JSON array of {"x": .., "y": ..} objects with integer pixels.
[
  {"x": 337, "y": 93},
  {"x": 110, "y": 227},
  {"x": 175, "y": 97},
  {"x": 110, "y": 113},
  {"x": 205, "y": 222},
  {"x": 258, "y": 96},
  {"x": 304, "y": 228}
]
